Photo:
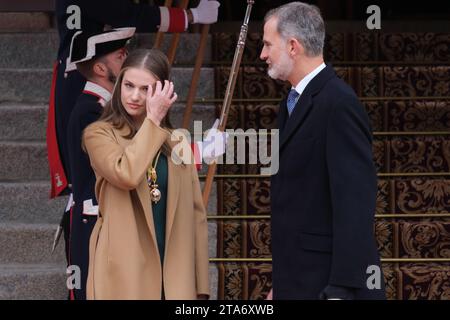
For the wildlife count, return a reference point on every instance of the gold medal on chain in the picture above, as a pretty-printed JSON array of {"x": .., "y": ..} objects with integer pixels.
[{"x": 155, "y": 193}]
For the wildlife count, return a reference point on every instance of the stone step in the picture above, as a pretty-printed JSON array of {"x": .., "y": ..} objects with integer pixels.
[
  {"x": 33, "y": 85},
  {"x": 25, "y": 21},
  {"x": 23, "y": 121},
  {"x": 33, "y": 281},
  {"x": 29, "y": 121},
  {"x": 29, "y": 202},
  {"x": 29, "y": 243},
  {"x": 39, "y": 49},
  {"x": 21, "y": 161},
  {"x": 28, "y": 50}
]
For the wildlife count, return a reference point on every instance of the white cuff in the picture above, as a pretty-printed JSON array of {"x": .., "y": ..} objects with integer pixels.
[
  {"x": 89, "y": 208},
  {"x": 70, "y": 203},
  {"x": 165, "y": 19},
  {"x": 194, "y": 15}
]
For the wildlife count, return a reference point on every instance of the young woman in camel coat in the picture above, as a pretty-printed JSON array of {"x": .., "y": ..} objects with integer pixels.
[{"x": 141, "y": 249}]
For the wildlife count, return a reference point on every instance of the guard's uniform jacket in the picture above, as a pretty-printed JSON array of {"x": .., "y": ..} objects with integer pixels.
[
  {"x": 88, "y": 109},
  {"x": 66, "y": 87}
]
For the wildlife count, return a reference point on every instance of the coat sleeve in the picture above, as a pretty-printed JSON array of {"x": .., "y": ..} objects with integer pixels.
[
  {"x": 353, "y": 188},
  {"x": 201, "y": 237},
  {"x": 125, "y": 13},
  {"x": 123, "y": 167}
]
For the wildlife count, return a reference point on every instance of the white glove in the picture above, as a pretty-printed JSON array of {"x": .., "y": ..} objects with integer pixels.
[
  {"x": 206, "y": 12},
  {"x": 214, "y": 144}
]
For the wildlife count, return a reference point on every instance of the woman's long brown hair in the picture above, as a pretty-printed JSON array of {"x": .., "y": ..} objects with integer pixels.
[{"x": 151, "y": 60}]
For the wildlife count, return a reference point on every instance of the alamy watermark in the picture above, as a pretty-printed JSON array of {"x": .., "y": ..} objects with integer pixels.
[
  {"x": 74, "y": 277},
  {"x": 243, "y": 147},
  {"x": 374, "y": 279},
  {"x": 374, "y": 20},
  {"x": 73, "y": 22}
]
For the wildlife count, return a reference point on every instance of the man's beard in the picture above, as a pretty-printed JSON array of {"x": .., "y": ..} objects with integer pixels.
[
  {"x": 111, "y": 77},
  {"x": 282, "y": 69}
]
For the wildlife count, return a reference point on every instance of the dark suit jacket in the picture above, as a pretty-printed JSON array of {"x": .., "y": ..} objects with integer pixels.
[
  {"x": 86, "y": 110},
  {"x": 324, "y": 194}
]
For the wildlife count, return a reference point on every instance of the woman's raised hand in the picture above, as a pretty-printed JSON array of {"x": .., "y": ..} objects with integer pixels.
[{"x": 160, "y": 100}]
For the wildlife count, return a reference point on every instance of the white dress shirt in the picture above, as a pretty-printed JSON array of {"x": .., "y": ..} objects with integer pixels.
[{"x": 300, "y": 87}]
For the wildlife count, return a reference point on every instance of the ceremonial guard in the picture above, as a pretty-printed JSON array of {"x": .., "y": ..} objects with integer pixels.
[{"x": 98, "y": 57}]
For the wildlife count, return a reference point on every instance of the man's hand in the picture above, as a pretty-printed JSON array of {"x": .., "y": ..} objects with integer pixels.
[
  {"x": 270, "y": 295},
  {"x": 206, "y": 12},
  {"x": 337, "y": 293}
]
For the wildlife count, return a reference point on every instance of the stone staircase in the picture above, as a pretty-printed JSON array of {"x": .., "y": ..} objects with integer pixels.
[{"x": 28, "y": 219}]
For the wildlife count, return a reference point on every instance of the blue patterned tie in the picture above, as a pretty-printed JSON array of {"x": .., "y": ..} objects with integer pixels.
[{"x": 292, "y": 100}]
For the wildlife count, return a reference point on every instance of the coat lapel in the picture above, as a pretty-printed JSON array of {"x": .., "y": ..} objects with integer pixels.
[
  {"x": 142, "y": 190},
  {"x": 303, "y": 106},
  {"x": 172, "y": 192},
  {"x": 144, "y": 197},
  {"x": 172, "y": 196},
  {"x": 282, "y": 115}
]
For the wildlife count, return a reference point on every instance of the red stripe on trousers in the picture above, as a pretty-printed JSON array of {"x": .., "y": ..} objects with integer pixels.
[
  {"x": 57, "y": 174},
  {"x": 72, "y": 294}
]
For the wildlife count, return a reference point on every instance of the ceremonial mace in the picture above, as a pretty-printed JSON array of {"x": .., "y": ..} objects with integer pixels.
[{"x": 228, "y": 95}]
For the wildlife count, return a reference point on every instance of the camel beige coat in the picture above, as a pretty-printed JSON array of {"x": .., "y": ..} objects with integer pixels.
[{"x": 124, "y": 261}]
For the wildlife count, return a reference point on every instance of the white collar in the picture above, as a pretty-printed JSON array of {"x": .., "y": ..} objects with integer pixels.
[
  {"x": 97, "y": 90},
  {"x": 300, "y": 87}
]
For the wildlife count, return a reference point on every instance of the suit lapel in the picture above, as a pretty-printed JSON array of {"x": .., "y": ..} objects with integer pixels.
[
  {"x": 303, "y": 106},
  {"x": 282, "y": 114}
]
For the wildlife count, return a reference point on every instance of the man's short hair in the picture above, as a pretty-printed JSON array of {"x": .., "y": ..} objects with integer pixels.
[
  {"x": 86, "y": 68},
  {"x": 303, "y": 22}
]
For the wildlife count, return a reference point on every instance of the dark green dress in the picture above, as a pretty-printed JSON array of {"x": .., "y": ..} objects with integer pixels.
[{"x": 159, "y": 208}]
